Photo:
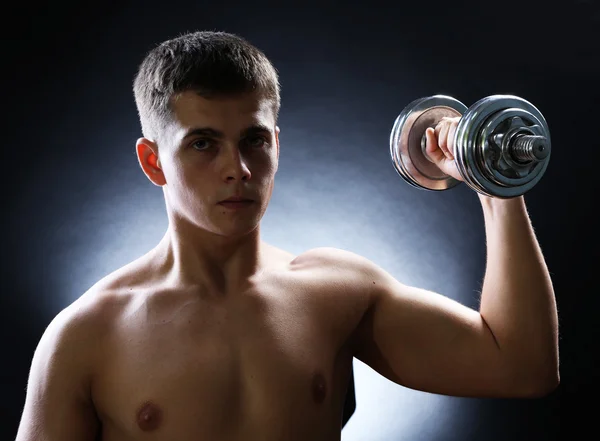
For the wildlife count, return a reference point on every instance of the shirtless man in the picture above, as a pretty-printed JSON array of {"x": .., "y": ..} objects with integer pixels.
[{"x": 216, "y": 335}]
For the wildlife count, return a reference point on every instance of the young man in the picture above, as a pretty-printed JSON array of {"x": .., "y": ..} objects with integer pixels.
[{"x": 217, "y": 335}]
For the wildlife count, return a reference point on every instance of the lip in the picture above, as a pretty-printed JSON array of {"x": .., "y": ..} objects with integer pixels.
[
  {"x": 236, "y": 199},
  {"x": 236, "y": 204}
]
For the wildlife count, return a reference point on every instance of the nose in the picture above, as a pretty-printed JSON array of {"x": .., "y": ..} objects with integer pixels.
[{"x": 235, "y": 167}]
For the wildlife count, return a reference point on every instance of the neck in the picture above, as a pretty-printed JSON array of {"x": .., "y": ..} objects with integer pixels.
[{"x": 188, "y": 255}]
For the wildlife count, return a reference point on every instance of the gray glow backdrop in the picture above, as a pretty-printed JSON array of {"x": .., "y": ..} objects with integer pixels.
[{"x": 78, "y": 206}]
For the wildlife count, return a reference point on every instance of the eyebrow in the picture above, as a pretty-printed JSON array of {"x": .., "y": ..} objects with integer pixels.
[{"x": 214, "y": 133}]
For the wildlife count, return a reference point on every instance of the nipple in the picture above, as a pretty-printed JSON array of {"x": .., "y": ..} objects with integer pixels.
[
  {"x": 149, "y": 417},
  {"x": 319, "y": 388}
]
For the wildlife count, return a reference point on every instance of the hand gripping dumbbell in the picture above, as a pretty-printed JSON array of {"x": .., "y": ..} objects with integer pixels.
[{"x": 501, "y": 148}]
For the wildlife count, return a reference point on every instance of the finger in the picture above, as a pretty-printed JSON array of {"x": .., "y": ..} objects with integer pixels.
[
  {"x": 438, "y": 128},
  {"x": 452, "y": 138},
  {"x": 443, "y": 138},
  {"x": 431, "y": 146}
]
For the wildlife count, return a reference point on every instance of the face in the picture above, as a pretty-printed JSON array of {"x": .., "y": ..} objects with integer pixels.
[{"x": 213, "y": 150}]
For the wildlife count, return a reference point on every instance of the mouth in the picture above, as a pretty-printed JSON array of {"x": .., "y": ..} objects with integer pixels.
[
  {"x": 236, "y": 199},
  {"x": 236, "y": 203}
]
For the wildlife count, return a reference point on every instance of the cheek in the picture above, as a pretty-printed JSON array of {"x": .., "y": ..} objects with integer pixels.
[
  {"x": 182, "y": 171},
  {"x": 183, "y": 181},
  {"x": 269, "y": 166}
]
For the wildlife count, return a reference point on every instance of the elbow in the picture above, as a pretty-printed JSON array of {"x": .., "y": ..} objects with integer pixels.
[
  {"x": 529, "y": 378},
  {"x": 540, "y": 382},
  {"x": 544, "y": 388}
]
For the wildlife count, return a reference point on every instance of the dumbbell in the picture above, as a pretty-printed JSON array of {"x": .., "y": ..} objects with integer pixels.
[{"x": 501, "y": 148}]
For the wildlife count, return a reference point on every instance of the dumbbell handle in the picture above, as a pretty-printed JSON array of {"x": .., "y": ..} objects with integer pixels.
[
  {"x": 526, "y": 148},
  {"x": 523, "y": 148}
]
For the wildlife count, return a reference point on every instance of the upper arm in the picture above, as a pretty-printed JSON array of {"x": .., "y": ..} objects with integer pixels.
[
  {"x": 424, "y": 340},
  {"x": 58, "y": 405}
]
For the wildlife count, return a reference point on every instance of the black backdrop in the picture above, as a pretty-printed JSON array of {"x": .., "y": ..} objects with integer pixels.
[{"x": 69, "y": 125}]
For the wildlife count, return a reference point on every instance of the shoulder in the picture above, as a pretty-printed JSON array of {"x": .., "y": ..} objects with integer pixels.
[
  {"x": 344, "y": 273},
  {"x": 328, "y": 260},
  {"x": 78, "y": 330},
  {"x": 352, "y": 274},
  {"x": 335, "y": 259},
  {"x": 80, "y": 325},
  {"x": 327, "y": 255},
  {"x": 349, "y": 286}
]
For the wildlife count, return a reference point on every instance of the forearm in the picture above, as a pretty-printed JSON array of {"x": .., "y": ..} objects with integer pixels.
[{"x": 517, "y": 300}]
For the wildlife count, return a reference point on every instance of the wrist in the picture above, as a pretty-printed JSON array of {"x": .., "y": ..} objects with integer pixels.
[{"x": 498, "y": 205}]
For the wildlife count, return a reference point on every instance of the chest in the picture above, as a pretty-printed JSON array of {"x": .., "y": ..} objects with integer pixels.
[{"x": 203, "y": 366}]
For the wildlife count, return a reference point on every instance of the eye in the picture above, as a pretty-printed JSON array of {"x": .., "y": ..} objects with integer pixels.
[
  {"x": 256, "y": 141},
  {"x": 202, "y": 144}
]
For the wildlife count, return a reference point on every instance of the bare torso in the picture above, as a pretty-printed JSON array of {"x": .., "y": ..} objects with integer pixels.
[{"x": 270, "y": 363}]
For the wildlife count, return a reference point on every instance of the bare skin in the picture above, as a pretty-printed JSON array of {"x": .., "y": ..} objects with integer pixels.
[
  {"x": 213, "y": 334},
  {"x": 216, "y": 335},
  {"x": 177, "y": 362}
]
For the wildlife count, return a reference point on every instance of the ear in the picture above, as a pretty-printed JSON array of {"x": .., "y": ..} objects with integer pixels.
[
  {"x": 147, "y": 154},
  {"x": 277, "y": 130}
]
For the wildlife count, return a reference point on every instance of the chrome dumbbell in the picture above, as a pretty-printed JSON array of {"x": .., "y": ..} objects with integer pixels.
[{"x": 502, "y": 144}]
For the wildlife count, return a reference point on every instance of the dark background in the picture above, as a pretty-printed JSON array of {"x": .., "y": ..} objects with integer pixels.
[{"x": 76, "y": 205}]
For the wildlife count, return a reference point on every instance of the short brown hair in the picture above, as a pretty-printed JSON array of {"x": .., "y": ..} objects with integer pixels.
[{"x": 208, "y": 62}]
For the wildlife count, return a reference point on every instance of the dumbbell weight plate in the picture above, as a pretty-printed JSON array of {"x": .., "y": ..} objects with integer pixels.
[
  {"x": 405, "y": 141},
  {"x": 476, "y": 125}
]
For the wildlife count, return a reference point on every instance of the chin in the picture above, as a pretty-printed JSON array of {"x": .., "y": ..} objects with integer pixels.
[{"x": 238, "y": 230}]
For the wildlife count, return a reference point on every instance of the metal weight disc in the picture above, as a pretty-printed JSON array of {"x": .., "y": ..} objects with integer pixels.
[
  {"x": 474, "y": 128},
  {"x": 405, "y": 141}
]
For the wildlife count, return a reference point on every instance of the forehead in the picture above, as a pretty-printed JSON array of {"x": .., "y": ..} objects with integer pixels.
[{"x": 223, "y": 113}]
